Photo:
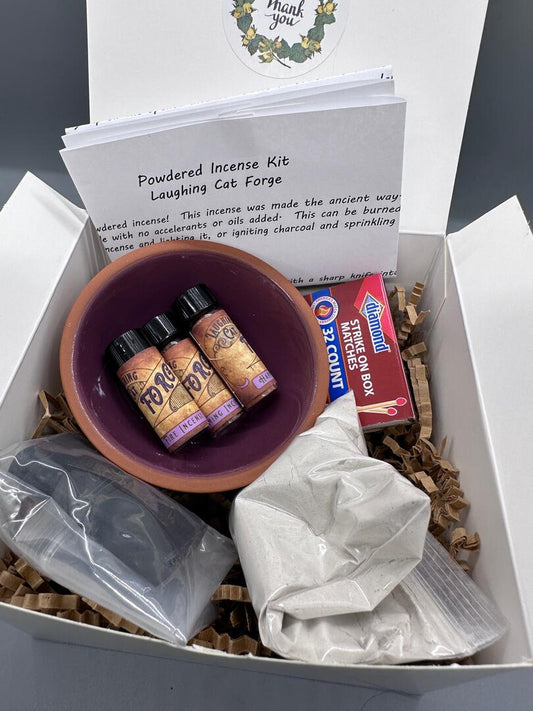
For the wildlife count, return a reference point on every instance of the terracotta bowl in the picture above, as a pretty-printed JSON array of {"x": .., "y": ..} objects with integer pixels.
[{"x": 270, "y": 312}]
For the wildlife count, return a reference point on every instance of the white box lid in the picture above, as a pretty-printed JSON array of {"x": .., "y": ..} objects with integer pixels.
[
  {"x": 492, "y": 260},
  {"x": 148, "y": 56}
]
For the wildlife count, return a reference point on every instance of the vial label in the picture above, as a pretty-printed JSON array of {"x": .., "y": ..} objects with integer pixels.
[
  {"x": 223, "y": 413},
  {"x": 233, "y": 357},
  {"x": 184, "y": 429},
  {"x": 199, "y": 378},
  {"x": 165, "y": 403},
  {"x": 263, "y": 380}
]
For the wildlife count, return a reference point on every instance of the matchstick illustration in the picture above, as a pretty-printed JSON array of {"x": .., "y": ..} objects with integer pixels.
[
  {"x": 388, "y": 407},
  {"x": 391, "y": 411}
]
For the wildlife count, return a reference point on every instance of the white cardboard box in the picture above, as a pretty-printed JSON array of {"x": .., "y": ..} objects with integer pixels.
[
  {"x": 477, "y": 291},
  {"x": 477, "y": 280}
]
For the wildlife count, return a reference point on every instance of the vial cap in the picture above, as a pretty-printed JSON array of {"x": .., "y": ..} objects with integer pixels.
[
  {"x": 194, "y": 303},
  {"x": 125, "y": 346},
  {"x": 160, "y": 330}
]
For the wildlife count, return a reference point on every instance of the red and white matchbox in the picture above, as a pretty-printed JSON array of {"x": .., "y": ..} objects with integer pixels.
[{"x": 363, "y": 352}]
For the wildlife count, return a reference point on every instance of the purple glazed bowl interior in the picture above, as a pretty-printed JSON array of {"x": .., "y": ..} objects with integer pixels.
[{"x": 270, "y": 314}]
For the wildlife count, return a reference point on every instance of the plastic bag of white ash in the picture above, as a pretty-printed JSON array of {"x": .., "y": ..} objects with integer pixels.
[{"x": 329, "y": 538}]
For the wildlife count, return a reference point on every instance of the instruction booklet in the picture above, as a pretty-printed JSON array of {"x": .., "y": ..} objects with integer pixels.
[{"x": 306, "y": 177}]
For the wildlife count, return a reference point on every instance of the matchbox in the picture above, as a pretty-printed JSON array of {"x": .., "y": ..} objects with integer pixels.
[{"x": 363, "y": 352}]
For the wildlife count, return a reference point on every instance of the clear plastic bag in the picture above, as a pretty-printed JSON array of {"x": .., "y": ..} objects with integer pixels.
[
  {"x": 339, "y": 569},
  {"x": 86, "y": 524}
]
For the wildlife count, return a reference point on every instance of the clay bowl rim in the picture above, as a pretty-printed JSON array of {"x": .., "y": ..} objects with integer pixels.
[{"x": 189, "y": 483}]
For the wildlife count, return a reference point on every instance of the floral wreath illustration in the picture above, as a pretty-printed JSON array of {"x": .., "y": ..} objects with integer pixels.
[{"x": 277, "y": 49}]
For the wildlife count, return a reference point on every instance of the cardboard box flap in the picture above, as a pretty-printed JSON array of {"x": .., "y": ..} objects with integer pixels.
[
  {"x": 432, "y": 47},
  {"x": 492, "y": 260},
  {"x": 41, "y": 234}
]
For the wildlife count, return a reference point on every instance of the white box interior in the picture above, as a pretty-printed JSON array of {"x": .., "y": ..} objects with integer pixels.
[{"x": 469, "y": 305}]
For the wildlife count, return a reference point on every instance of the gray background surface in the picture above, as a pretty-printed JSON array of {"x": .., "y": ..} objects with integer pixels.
[{"x": 43, "y": 88}]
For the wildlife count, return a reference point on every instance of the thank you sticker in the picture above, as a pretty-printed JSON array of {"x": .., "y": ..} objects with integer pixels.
[{"x": 284, "y": 39}]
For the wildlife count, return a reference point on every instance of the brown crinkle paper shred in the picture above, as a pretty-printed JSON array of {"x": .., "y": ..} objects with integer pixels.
[
  {"x": 407, "y": 447},
  {"x": 23, "y": 586},
  {"x": 235, "y": 629},
  {"x": 56, "y": 417}
]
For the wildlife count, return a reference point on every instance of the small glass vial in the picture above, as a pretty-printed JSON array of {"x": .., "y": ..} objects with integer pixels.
[
  {"x": 155, "y": 389},
  {"x": 225, "y": 346},
  {"x": 194, "y": 372}
]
